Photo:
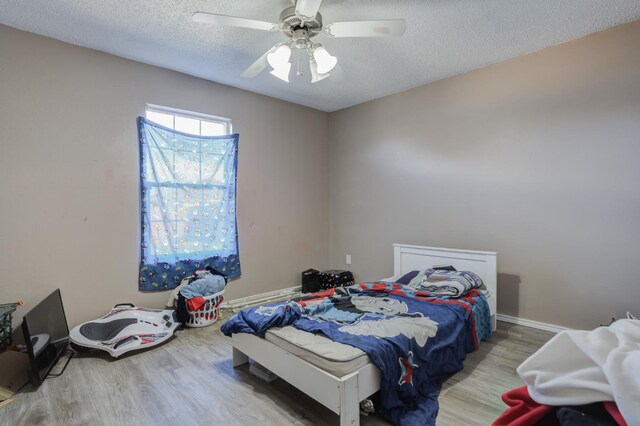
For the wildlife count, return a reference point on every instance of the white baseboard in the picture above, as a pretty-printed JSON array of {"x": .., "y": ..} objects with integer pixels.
[
  {"x": 530, "y": 323},
  {"x": 258, "y": 299}
]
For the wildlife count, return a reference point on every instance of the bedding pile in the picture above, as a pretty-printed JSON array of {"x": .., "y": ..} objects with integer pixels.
[
  {"x": 445, "y": 282},
  {"x": 576, "y": 368},
  {"x": 415, "y": 339}
]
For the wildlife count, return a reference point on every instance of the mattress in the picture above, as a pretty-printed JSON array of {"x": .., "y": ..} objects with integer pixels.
[{"x": 333, "y": 357}]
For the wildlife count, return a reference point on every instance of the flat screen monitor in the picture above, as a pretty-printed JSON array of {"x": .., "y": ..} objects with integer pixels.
[{"x": 46, "y": 335}]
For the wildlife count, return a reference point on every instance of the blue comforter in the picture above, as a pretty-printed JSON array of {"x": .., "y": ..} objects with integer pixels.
[{"x": 417, "y": 341}]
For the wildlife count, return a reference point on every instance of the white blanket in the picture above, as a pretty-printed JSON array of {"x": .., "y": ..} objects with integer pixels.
[{"x": 581, "y": 367}]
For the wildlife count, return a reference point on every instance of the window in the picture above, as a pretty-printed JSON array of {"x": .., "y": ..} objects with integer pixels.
[
  {"x": 189, "y": 122},
  {"x": 188, "y": 191}
]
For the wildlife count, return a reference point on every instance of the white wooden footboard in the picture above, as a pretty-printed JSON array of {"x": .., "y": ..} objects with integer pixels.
[{"x": 342, "y": 395}]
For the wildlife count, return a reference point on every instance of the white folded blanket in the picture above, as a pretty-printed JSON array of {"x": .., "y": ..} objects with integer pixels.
[{"x": 581, "y": 367}]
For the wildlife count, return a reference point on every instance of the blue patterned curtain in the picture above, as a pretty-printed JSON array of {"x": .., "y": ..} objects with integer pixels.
[{"x": 188, "y": 205}]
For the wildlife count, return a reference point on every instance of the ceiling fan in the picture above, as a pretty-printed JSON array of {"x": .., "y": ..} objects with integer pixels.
[{"x": 300, "y": 23}]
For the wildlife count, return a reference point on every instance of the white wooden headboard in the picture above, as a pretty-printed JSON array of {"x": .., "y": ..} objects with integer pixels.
[{"x": 407, "y": 258}]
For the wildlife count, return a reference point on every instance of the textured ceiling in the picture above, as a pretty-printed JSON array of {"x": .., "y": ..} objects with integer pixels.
[{"x": 443, "y": 38}]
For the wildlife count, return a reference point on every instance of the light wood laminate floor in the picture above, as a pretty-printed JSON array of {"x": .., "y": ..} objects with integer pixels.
[{"x": 190, "y": 381}]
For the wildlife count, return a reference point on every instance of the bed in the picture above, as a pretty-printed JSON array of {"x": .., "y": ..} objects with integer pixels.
[{"x": 340, "y": 376}]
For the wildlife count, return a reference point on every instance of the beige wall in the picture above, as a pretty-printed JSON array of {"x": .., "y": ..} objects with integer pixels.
[
  {"x": 69, "y": 214},
  {"x": 536, "y": 158}
]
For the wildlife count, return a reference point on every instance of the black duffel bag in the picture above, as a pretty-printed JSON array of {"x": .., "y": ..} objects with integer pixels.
[{"x": 336, "y": 278}]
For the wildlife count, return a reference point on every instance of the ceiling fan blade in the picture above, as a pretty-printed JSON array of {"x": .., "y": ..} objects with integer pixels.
[
  {"x": 232, "y": 21},
  {"x": 260, "y": 64},
  {"x": 307, "y": 9},
  {"x": 382, "y": 28}
]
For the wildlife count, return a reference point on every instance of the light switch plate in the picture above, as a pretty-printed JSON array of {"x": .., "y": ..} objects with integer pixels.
[{"x": 348, "y": 259}]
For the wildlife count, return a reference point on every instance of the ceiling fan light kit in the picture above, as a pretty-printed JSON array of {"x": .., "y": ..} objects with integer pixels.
[
  {"x": 325, "y": 61},
  {"x": 315, "y": 75},
  {"x": 279, "y": 57},
  {"x": 279, "y": 61},
  {"x": 282, "y": 72},
  {"x": 300, "y": 23}
]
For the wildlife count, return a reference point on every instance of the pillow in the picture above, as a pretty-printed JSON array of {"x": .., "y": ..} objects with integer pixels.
[
  {"x": 444, "y": 268},
  {"x": 406, "y": 278},
  {"x": 449, "y": 283},
  {"x": 442, "y": 281}
]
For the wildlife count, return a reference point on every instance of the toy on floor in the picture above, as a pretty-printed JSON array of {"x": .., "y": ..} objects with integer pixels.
[
  {"x": 6, "y": 312},
  {"x": 125, "y": 328}
]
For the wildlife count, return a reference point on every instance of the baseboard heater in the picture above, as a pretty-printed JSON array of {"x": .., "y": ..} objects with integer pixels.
[{"x": 260, "y": 299}]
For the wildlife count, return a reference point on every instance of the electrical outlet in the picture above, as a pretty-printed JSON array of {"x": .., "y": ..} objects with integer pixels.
[{"x": 348, "y": 259}]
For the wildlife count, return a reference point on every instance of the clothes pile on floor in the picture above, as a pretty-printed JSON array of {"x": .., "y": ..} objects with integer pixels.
[
  {"x": 190, "y": 294},
  {"x": 580, "y": 378}
]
